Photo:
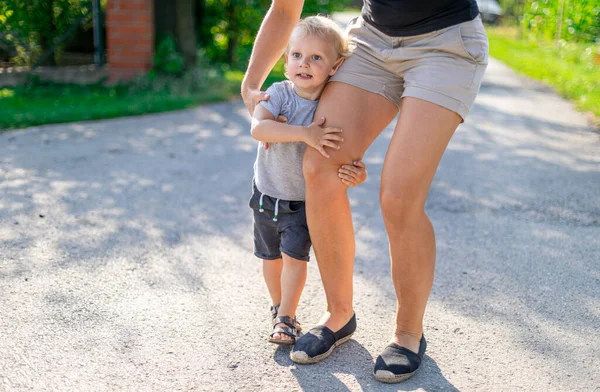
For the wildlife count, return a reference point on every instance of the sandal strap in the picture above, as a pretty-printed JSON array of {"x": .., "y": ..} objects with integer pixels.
[
  {"x": 274, "y": 310},
  {"x": 290, "y": 322},
  {"x": 291, "y": 332}
]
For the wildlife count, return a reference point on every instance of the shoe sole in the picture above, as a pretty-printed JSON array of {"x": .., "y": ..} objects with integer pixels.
[
  {"x": 282, "y": 342},
  {"x": 302, "y": 358},
  {"x": 391, "y": 378}
]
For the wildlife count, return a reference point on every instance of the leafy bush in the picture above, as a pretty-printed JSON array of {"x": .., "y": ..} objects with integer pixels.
[
  {"x": 32, "y": 27},
  {"x": 167, "y": 59},
  {"x": 577, "y": 20},
  {"x": 227, "y": 30}
]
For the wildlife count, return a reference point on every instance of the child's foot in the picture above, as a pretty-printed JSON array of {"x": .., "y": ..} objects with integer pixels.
[{"x": 285, "y": 330}]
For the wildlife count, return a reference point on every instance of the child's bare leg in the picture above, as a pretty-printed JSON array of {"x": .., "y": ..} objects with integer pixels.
[
  {"x": 272, "y": 273},
  {"x": 293, "y": 278}
]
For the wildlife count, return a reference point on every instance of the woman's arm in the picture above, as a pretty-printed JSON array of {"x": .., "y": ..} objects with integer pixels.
[{"x": 269, "y": 45}]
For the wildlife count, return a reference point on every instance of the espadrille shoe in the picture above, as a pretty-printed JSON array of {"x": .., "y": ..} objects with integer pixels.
[
  {"x": 319, "y": 342},
  {"x": 397, "y": 363}
]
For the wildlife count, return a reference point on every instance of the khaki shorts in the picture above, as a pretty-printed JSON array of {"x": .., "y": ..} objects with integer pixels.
[{"x": 444, "y": 67}]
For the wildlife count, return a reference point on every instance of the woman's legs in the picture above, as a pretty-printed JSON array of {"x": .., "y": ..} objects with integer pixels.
[
  {"x": 290, "y": 283},
  {"x": 420, "y": 138},
  {"x": 362, "y": 116}
]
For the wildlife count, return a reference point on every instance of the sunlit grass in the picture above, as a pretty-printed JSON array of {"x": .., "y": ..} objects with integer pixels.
[
  {"x": 39, "y": 103},
  {"x": 573, "y": 70},
  {"x": 6, "y": 93}
]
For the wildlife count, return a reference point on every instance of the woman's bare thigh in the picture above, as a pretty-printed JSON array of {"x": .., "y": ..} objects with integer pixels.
[
  {"x": 419, "y": 141},
  {"x": 360, "y": 114}
]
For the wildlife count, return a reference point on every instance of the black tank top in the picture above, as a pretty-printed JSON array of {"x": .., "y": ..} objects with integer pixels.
[{"x": 401, "y": 18}]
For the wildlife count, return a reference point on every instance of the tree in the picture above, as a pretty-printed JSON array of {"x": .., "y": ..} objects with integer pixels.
[
  {"x": 179, "y": 22},
  {"x": 34, "y": 26},
  {"x": 186, "y": 29}
]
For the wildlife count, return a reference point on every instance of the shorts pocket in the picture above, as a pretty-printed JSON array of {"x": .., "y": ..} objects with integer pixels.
[
  {"x": 254, "y": 203},
  {"x": 473, "y": 41},
  {"x": 354, "y": 25},
  {"x": 254, "y": 199},
  {"x": 295, "y": 206}
]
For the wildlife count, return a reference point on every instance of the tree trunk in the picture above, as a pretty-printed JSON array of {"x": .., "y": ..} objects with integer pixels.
[
  {"x": 47, "y": 32},
  {"x": 200, "y": 13},
  {"x": 165, "y": 20},
  {"x": 186, "y": 30}
]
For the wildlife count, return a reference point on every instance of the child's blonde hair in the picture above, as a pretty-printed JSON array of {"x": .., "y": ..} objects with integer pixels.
[{"x": 322, "y": 26}]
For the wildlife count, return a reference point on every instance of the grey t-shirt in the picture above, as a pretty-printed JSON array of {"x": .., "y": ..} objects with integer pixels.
[{"x": 278, "y": 169}]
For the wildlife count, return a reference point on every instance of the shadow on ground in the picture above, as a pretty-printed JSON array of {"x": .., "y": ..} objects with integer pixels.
[
  {"x": 515, "y": 205},
  {"x": 353, "y": 362}
]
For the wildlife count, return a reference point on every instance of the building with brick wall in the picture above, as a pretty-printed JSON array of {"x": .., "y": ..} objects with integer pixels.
[{"x": 129, "y": 37}]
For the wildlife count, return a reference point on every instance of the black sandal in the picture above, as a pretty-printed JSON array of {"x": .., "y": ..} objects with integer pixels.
[
  {"x": 290, "y": 330},
  {"x": 274, "y": 310}
]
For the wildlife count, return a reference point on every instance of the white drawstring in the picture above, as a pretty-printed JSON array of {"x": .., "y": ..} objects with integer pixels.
[
  {"x": 261, "y": 209},
  {"x": 276, "y": 210}
]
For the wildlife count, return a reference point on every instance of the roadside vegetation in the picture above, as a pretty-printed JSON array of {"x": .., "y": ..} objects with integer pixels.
[
  {"x": 38, "y": 102},
  {"x": 192, "y": 66},
  {"x": 572, "y": 69},
  {"x": 556, "y": 42}
]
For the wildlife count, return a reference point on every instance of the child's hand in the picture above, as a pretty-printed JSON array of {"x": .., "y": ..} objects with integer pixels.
[
  {"x": 353, "y": 175},
  {"x": 319, "y": 137}
]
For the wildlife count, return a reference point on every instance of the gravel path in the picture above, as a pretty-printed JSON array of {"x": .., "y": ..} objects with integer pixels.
[{"x": 126, "y": 257}]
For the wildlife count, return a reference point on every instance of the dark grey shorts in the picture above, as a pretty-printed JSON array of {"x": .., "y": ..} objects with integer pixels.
[{"x": 289, "y": 234}]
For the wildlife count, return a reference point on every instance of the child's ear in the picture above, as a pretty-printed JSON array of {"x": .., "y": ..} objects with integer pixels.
[{"x": 336, "y": 66}]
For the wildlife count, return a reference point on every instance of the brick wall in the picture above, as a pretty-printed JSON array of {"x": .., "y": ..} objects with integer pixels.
[{"x": 130, "y": 37}]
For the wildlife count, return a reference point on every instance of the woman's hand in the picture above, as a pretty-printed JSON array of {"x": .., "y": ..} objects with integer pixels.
[
  {"x": 353, "y": 175},
  {"x": 319, "y": 137},
  {"x": 252, "y": 97}
]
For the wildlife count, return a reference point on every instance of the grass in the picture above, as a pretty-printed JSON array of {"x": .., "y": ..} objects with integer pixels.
[
  {"x": 47, "y": 103},
  {"x": 573, "y": 70}
]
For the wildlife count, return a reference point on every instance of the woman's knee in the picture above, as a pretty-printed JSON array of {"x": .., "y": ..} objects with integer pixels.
[
  {"x": 317, "y": 169},
  {"x": 310, "y": 166},
  {"x": 401, "y": 204}
]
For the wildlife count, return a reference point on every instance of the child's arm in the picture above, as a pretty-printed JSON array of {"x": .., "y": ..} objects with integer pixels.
[
  {"x": 266, "y": 129},
  {"x": 353, "y": 175}
]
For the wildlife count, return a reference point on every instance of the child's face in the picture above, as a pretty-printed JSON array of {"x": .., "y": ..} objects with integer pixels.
[{"x": 310, "y": 61}]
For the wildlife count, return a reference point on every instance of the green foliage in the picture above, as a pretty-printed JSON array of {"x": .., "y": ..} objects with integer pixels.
[
  {"x": 225, "y": 33},
  {"x": 556, "y": 42},
  {"x": 40, "y": 102},
  {"x": 577, "y": 20},
  {"x": 325, "y": 7},
  {"x": 33, "y": 26},
  {"x": 569, "y": 68},
  {"x": 229, "y": 26},
  {"x": 167, "y": 59}
]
